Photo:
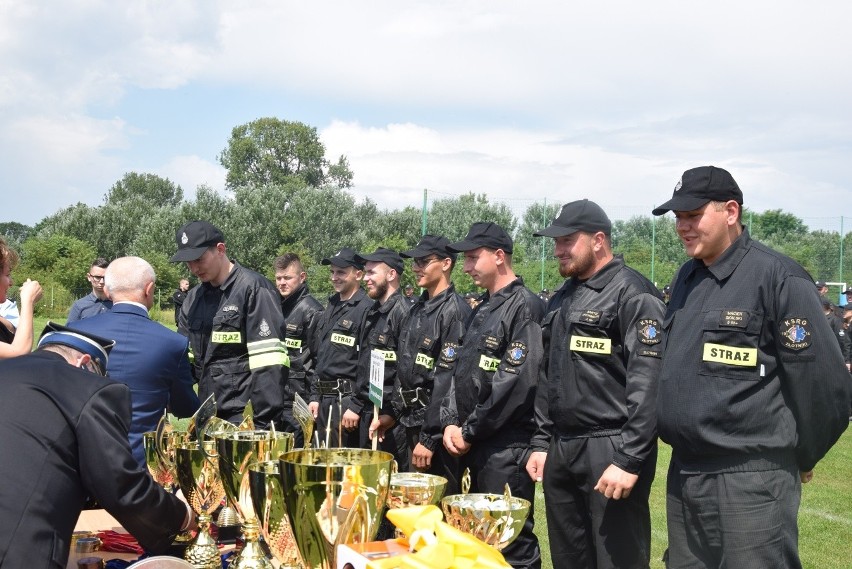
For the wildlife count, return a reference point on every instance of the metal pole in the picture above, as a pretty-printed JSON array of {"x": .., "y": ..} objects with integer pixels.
[
  {"x": 841, "y": 250},
  {"x": 423, "y": 224},
  {"x": 653, "y": 247},
  {"x": 543, "y": 239}
]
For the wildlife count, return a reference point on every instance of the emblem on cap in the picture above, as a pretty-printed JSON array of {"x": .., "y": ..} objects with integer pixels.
[
  {"x": 264, "y": 329},
  {"x": 679, "y": 184},
  {"x": 184, "y": 239}
]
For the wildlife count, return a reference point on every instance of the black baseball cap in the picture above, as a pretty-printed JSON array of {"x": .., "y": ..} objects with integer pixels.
[
  {"x": 819, "y": 284},
  {"x": 194, "y": 238},
  {"x": 346, "y": 257},
  {"x": 484, "y": 234},
  {"x": 383, "y": 255},
  {"x": 700, "y": 185},
  {"x": 97, "y": 347},
  {"x": 430, "y": 245},
  {"x": 580, "y": 215}
]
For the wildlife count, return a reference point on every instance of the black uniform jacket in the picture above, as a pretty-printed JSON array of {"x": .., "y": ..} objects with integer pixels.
[
  {"x": 235, "y": 332},
  {"x": 603, "y": 353},
  {"x": 431, "y": 326},
  {"x": 752, "y": 377},
  {"x": 337, "y": 342},
  {"x": 381, "y": 333},
  {"x": 301, "y": 312},
  {"x": 492, "y": 393},
  {"x": 63, "y": 437}
]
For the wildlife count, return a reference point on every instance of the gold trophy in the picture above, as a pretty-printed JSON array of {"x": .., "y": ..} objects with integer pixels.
[
  {"x": 157, "y": 467},
  {"x": 267, "y": 495},
  {"x": 333, "y": 496},
  {"x": 237, "y": 450},
  {"x": 201, "y": 484},
  {"x": 415, "y": 489},
  {"x": 493, "y": 518}
]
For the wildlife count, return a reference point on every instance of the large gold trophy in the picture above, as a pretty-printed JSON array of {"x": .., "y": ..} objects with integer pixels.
[
  {"x": 201, "y": 485},
  {"x": 267, "y": 495},
  {"x": 237, "y": 450},
  {"x": 333, "y": 496}
]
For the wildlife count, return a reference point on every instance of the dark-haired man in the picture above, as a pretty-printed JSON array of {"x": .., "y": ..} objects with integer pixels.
[
  {"x": 753, "y": 390},
  {"x": 595, "y": 448},
  {"x": 234, "y": 324},
  {"x": 434, "y": 324},
  {"x": 97, "y": 301},
  {"x": 300, "y": 311},
  {"x": 487, "y": 414},
  {"x": 333, "y": 398}
]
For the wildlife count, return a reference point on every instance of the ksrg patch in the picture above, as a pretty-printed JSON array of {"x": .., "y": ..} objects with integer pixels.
[
  {"x": 648, "y": 331},
  {"x": 795, "y": 333},
  {"x": 450, "y": 352},
  {"x": 516, "y": 354}
]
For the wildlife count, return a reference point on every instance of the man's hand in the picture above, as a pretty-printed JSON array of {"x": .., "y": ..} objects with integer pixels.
[
  {"x": 313, "y": 407},
  {"x": 422, "y": 457},
  {"x": 30, "y": 292},
  {"x": 350, "y": 420},
  {"x": 616, "y": 483},
  {"x": 535, "y": 465},
  {"x": 454, "y": 442},
  {"x": 379, "y": 425},
  {"x": 806, "y": 477}
]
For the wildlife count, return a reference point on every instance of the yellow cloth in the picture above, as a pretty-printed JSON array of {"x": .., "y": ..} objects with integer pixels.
[{"x": 437, "y": 544}]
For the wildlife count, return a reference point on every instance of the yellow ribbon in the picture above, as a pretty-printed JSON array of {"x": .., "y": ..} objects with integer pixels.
[{"x": 438, "y": 545}]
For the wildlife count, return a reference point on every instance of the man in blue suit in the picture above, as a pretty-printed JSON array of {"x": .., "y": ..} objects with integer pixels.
[{"x": 148, "y": 357}]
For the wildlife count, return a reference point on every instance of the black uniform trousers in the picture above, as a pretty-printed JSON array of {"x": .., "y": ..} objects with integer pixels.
[
  {"x": 442, "y": 464},
  {"x": 733, "y": 519},
  {"x": 329, "y": 406},
  {"x": 585, "y": 528},
  {"x": 491, "y": 468}
]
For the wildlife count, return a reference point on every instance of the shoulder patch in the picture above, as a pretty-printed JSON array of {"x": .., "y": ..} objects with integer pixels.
[
  {"x": 795, "y": 333},
  {"x": 264, "y": 330},
  {"x": 450, "y": 352},
  {"x": 516, "y": 354},
  {"x": 648, "y": 331}
]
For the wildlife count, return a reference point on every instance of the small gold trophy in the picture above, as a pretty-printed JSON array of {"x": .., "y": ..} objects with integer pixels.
[
  {"x": 237, "y": 450},
  {"x": 493, "y": 518},
  {"x": 201, "y": 484},
  {"x": 415, "y": 489},
  {"x": 333, "y": 496},
  {"x": 267, "y": 495}
]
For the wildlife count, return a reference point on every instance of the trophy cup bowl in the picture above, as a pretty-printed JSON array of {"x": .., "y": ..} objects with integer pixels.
[
  {"x": 201, "y": 485},
  {"x": 267, "y": 495},
  {"x": 493, "y": 518},
  {"x": 415, "y": 489},
  {"x": 333, "y": 496},
  {"x": 237, "y": 450}
]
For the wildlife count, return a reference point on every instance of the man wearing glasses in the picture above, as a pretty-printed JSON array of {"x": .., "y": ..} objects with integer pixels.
[
  {"x": 429, "y": 335},
  {"x": 97, "y": 301}
]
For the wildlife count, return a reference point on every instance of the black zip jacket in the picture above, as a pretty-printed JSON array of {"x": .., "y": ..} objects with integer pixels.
[
  {"x": 431, "y": 326},
  {"x": 752, "y": 377},
  {"x": 301, "y": 312},
  {"x": 234, "y": 331},
  {"x": 497, "y": 368},
  {"x": 603, "y": 354}
]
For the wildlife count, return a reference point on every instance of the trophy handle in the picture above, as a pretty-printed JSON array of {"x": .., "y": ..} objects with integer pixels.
[
  {"x": 356, "y": 527},
  {"x": 164, "y": 427}
]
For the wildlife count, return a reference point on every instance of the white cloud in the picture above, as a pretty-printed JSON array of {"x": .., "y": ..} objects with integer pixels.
[{"x": 189, "y": 172}]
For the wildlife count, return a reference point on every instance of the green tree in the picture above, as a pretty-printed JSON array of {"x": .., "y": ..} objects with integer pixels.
[
  {"x": 153, "y": 190},
  {"x": 774, "y": 226},
  {"x": 269, "y": 150},
  {"x": 537, "y": 216},
  {"x": 452, "y": 217},
  {"x": 57, "y": 259},
  {"x": 15, "y": 233}
]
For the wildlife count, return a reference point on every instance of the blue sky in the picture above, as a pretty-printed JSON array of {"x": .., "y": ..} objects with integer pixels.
[{"x": 522, "y": 101}]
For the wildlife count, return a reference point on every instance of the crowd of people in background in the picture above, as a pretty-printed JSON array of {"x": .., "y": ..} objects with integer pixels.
[{"x": 732, "y": 364}]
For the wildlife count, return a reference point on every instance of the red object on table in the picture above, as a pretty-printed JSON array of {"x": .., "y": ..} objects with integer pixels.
[{"x": 119, "y": 542}]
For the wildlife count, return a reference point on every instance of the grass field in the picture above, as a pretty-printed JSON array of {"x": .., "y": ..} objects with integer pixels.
[{"x": 825, "y": 515}]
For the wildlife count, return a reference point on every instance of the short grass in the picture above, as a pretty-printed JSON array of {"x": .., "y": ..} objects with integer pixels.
[{"x": 825, "y": 515}]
